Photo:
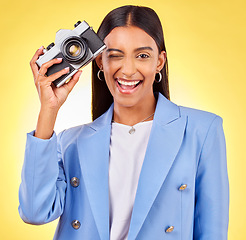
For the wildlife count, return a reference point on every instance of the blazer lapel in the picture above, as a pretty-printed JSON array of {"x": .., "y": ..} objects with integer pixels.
[
  {"x": 165, "y": 140},
  {"x": 93, "y": 148}
]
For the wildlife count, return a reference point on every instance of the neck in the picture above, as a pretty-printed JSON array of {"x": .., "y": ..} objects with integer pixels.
[{"x": 134, "y": 114}]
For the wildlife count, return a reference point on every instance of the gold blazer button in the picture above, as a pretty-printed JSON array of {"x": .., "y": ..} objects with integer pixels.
[
  {"x": 74, "y": 182},
  {"x": 183, "y": 187},
  {"x": 169, "y": 229},
  {"x": 75, "y": 224}
]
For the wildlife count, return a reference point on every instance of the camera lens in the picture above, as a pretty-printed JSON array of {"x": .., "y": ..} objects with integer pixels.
[{"x": 74, "y": 49}]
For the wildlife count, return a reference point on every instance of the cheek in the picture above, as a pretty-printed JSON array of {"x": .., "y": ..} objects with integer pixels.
[
  {"x": 109, "y": 67},
  {"x": 149, "y": 73},
  {"x": 109, "y": 72}
]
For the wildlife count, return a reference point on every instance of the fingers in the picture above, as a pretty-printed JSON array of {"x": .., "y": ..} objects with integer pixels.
[
  {"x": 43, "y": 69},
  {"x": 39, "y": 73},
  {"x": 33, "y": 64},
  {"x": 42, "y": 80},
  {"x": 48, "y": 64}
]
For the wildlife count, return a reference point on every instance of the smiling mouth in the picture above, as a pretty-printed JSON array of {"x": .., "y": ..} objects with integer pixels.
[{"x": 129, "y": 84}]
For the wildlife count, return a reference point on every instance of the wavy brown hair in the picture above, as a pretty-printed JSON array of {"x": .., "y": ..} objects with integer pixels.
[{"x": 144, "y": 18}]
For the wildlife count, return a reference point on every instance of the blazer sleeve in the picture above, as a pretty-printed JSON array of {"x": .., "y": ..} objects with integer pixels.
[
  {"x": 212, "y": 187},
  {"x": 43, "y": 185}
]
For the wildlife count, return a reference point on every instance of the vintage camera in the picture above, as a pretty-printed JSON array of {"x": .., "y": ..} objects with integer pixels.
[{"x": 76, "y": 47}]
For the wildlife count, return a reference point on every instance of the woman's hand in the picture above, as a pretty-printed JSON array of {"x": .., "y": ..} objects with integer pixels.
[{"x": 51, "y": 98}]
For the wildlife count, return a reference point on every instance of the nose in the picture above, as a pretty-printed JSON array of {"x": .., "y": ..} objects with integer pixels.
[{"x": 128, "y": 67}]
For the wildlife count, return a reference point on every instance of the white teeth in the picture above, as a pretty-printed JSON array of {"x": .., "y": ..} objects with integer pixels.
[{"x": 128, "y": 83}]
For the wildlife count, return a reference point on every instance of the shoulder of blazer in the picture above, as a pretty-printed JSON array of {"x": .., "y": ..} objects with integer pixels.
[
  {"x": 197, "y": 114},
  {"x": 200, "y": 118},
  {"x": 167, "y": 111},
  {"x": 199, "y": 122}
]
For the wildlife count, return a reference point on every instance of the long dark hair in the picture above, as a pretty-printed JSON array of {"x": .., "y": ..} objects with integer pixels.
[{"x": 144, "y": 18}]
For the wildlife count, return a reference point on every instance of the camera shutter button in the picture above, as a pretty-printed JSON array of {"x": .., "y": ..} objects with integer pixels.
[
  {"x": 77, "y": 24},
  {"x": 50, "y": 46}
]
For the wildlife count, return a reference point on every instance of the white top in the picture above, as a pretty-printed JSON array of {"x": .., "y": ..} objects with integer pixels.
[{"x": 127, "y": 153}]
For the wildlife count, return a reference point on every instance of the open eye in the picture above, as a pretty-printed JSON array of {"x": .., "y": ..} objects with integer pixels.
[{"x": 143, "y": 56}]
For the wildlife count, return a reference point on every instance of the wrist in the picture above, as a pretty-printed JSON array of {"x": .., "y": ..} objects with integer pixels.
[
  {"x": 50, "y": 111},
  {"x": 46, "y": 123}
]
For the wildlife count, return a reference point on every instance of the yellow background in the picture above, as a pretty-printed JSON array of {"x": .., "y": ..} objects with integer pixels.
[{"x": 206, "y": 51}]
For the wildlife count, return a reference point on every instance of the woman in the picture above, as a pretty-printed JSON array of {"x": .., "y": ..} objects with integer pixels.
[{"x": 145, "y": 168}]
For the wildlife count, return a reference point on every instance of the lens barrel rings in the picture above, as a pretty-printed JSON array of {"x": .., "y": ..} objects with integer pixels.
[{"x": 74, "y": 49}]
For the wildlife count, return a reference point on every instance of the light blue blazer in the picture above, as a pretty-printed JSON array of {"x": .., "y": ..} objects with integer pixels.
[{"x": 182, "y": 192}]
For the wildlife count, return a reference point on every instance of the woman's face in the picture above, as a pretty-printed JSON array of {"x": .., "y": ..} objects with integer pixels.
[{"x": 130, "y": 63}]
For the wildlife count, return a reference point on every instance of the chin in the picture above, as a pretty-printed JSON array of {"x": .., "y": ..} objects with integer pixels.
[{"x": 126, "y": 101}]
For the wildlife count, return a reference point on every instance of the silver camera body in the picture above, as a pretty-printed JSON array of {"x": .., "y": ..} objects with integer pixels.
[{"x": 76, "y": 47}]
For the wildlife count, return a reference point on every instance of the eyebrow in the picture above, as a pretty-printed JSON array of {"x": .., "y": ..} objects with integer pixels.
[
  {"x": 144, "y": 48},
  {"x": 114, "y": 50},
  {"x": 136, "y": 50}
]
